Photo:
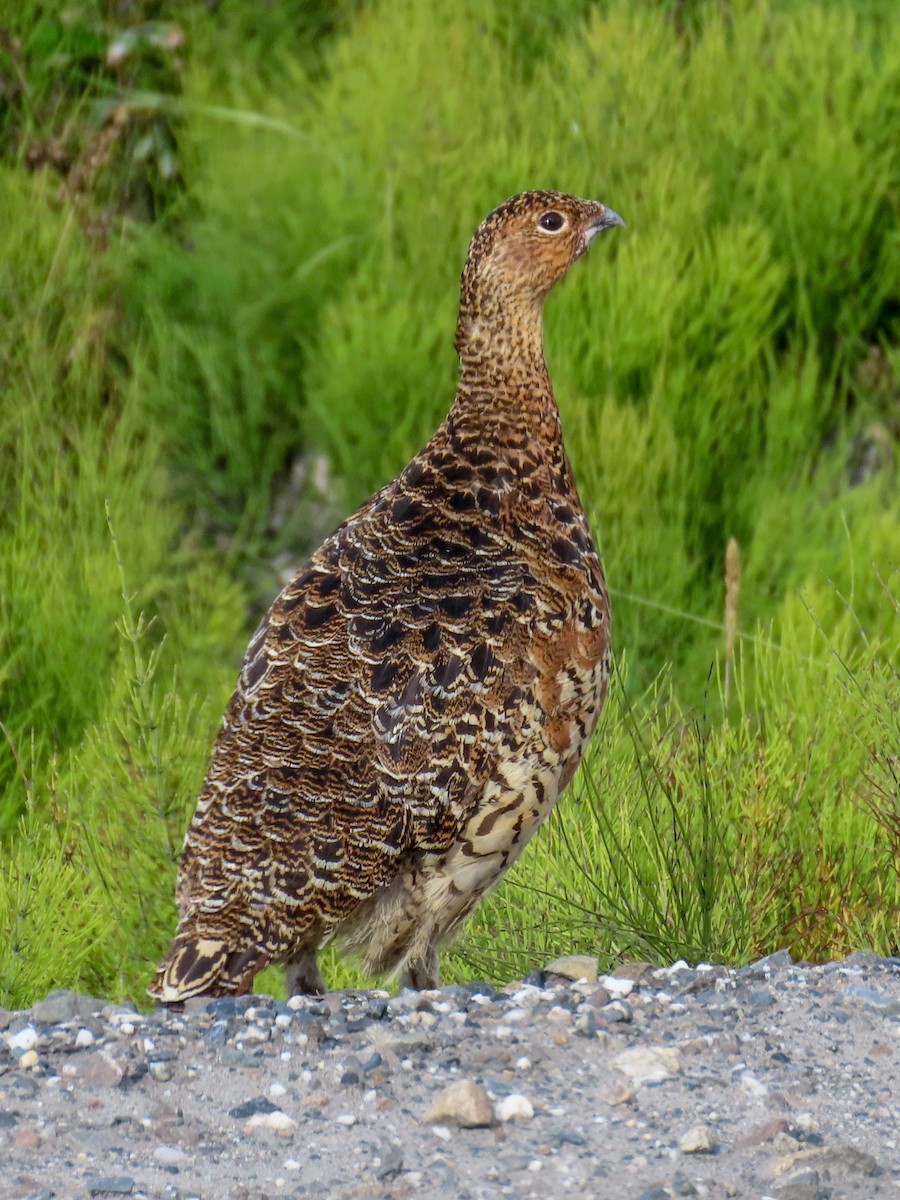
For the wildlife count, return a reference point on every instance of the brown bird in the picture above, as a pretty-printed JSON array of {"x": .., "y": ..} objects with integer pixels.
[{"x": 418, "y": 696}]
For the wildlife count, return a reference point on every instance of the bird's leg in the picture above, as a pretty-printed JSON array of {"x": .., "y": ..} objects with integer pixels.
[
  {"x": 422, "y": 973},
  {"x": 302, "y": 975}
]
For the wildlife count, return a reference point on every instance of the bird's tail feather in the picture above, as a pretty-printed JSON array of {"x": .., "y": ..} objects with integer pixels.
[{"x": 198, "y": 965}]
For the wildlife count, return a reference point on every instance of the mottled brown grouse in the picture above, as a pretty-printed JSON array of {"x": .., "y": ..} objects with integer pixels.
[{"x": 418, "y": 696}]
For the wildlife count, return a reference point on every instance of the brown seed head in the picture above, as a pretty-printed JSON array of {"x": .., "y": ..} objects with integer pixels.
[{"x": 519, "y": 252}]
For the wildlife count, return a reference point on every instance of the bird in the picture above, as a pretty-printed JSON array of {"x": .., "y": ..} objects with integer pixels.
[{"x": 421, "y": 692}]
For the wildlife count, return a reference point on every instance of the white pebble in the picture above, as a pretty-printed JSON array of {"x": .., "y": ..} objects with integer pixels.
[
  {"x": 442, "y": 1132},
  {"x": 617, "y": 987},
  {"x": 277, "y": 1120},
  {"x": 347, "y": 1119},
  {"x": 84, "y": 1038},
  {"x": 517, "y": 1014},
  {"x": 127, "y": 1028},
  {"x": 283, "y": 1021},
  {"x": 753, "y": 1086},
  {"x": 291, "y": 1164},
  {"x": 25, "y": 1039},
  {"x": 170, "y": 1156},
  {"x": 523, "y": 1063},
  {"x": 29, "y": 1059},
  {"x": 515, "y": 1107},
  {"x": 277, "y": 1089},
  {"x": 535, "y": 1165}
]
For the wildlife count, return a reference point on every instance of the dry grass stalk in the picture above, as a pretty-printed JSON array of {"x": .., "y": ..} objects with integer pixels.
[{"x": 732, "y": 591}]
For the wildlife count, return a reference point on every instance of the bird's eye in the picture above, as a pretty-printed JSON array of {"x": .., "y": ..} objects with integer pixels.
[{"x": 552, "y": 222}]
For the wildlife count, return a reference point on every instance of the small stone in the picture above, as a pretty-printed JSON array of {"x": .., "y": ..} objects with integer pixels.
[
  {"x": 464, "y": 1103},
  {"x": 620, "y": 1094},
  {"x": 514, "y": 1107},
  {"x": 170, "y": 1156},
  {"x": 160, "y": 1071},
  {"x": 682, "y": 1186},
  {"x": 26, "y": 1039},
  {"x": 83, "y": 1039},
  {"x": 840, "y": 1156},
  {"x": 586, "y": 1024},
  {"x": 254, "y": 1033},
  {"x": 26, "y": 1138},
  {"x": 29, "y": 1059},
  {"x": 760, "y": 1134},
  {"x": 279, "y": 1122},
  {"x": 63, "y": 1005},
  {"x": 217, "y": 1034},
  {"x": 648, "y": 1064},
  {"x": 599, "y": 997},
  {"x": 574, "y": 966},
  {"x": 802, "y": 1185},
  {"x": 110, "y": 1185},
  {"x": 752, "y": 1086},
  {"x": 617, "y": 987},
  {"x": 772, "y": 962},
  {"x": 632, "y": 971},
  {"x": 252, "y": 1108},
  {"x": 569, "y": 1137},
  {"x": 617, "y": 1012},
  {"x": 100, "y": 1068},
  {"x": 656, "y": 1192},
  {"x": 699, "y": 1139}
]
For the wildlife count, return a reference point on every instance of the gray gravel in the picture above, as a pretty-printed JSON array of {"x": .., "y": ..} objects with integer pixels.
[{"x": 776, "y": 1080}]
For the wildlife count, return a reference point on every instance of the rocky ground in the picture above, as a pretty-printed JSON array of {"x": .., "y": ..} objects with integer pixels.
[{"x": 775, "y": 1080}]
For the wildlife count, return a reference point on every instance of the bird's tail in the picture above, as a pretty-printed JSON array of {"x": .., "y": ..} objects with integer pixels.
[{"x": 204, "y": 965}]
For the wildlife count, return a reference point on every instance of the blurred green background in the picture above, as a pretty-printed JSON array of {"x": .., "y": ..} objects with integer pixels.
[{"x": 230, "y": 242}]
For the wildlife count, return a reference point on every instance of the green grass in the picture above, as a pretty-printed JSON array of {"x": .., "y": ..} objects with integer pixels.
[{"x": 253, "y": 269}]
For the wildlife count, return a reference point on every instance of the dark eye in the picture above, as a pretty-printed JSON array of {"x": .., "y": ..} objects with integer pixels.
[{"x": 552, "y": 222}]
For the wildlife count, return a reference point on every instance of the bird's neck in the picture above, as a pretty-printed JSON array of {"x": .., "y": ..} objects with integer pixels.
[{"x": 503, "y": 379}]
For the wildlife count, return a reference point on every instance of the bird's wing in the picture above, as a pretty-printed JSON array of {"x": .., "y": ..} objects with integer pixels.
[{"x": 371, "y": 709}]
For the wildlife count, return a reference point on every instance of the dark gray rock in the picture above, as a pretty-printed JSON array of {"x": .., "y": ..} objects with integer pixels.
[
  {"x": 250, "y": 1108},
  {"x": 682, "y": 1186},
  {"x": 802, "y": 1185},
  {"x": 63, "y": 1005},
  {"x": 110, "y": 1185}
]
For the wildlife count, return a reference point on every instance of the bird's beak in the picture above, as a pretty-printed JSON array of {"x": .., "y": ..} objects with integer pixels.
[{"x": 606, "y": 220}]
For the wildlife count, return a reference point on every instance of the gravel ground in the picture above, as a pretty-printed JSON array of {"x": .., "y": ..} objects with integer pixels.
[{"x": 776, "y": 1080}]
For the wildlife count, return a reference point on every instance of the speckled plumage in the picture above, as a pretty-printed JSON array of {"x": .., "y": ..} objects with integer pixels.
[{"x": 417, "y": 697}]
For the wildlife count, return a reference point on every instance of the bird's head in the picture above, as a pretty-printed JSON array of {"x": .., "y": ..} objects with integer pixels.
[{"x": 521, "y": 250}]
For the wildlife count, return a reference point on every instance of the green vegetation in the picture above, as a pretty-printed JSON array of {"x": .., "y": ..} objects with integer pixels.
[{"x": 228, "y": 258}]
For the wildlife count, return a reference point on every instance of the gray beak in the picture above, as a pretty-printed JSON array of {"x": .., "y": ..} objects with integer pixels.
[{"x": 607, "y": 221}]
